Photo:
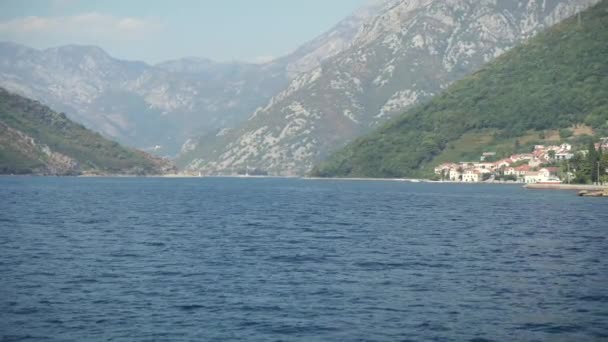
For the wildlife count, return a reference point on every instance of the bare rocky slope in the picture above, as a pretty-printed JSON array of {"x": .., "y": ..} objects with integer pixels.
[
  {"x": 160, "y": 107},
  {"x": 551, "y": 90},
  {"x": 409, "y": 51}
]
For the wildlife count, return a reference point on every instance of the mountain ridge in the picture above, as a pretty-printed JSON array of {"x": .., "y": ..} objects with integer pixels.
[
  {"x": 407, "y": 53},
  {"x": 553, "y": 82},
  {"x": 158, "y": 107},
  {"x": 37, "y": 140}
]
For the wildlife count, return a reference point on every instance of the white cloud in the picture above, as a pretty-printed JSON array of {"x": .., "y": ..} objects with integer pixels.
[{"x": 83, "y": 27}]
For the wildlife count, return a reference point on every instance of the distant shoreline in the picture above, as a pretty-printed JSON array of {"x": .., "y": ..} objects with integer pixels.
[
  {"x": 535, "y": 186},
  {"x": 369, "y": 179},
  {"x": 572, "y": 187}
]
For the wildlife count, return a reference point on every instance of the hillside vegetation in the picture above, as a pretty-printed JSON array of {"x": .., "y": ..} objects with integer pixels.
[
  {"x": 36, "y": 140},
  {"x": 404, "y": 54},
  {"x": 557, "y": 80}
]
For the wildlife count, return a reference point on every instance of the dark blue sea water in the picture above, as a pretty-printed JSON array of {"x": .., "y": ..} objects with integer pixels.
[{"x": 204, "y": 259}]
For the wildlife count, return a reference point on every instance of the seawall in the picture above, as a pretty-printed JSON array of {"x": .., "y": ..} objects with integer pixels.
[{"x": 574, "y": 187}]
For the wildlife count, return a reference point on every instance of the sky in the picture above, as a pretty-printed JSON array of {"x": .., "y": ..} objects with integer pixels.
[{"x": 155, "y": 30}]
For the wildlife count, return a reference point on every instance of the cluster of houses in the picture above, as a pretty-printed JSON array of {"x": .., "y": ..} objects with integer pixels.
[
  {"x": 603, "y": 144},
  {"x": 524, "y": 168}
]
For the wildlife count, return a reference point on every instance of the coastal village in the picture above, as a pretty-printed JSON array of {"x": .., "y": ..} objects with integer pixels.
[{"x": 539, "y": 166}]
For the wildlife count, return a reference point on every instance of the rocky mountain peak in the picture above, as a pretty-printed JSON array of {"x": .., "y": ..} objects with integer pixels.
[
  {"x": 407, "y": 52},
  {"x": 310, "y": 55},
  {"x": 167, "y": 103}
]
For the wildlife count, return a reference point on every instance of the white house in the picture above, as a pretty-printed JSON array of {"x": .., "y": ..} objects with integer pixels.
[
  {"x": 521, "y": 170},
  {"x": 445, "y": 167},
  {"x": 454, "y": 174},
  {"x": 564, "y": 156},
  {"x": 534, "y": 162},
  {"x": 503, "y": 163},
  {"x": 534, "y": 177},
  {"x": 471, "y": 176},
  {"x": 486, "y": 166},
  {"x": 543, "y": 175}
]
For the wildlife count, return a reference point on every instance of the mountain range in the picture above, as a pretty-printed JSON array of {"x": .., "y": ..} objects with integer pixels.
[
  {"x": 553, "y": 88},
  {"x": 159, "y": 107},
  {"x": 284, "y": 116},
  {"x": 405, "y": 54}
]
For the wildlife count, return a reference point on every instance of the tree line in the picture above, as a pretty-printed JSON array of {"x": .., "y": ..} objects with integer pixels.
[{"x": 587, "y": 168}]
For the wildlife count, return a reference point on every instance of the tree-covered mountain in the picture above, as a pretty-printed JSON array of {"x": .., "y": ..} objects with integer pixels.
[
  {"x": 406, "y": 53},
  {"x": 37, "y": 140},
  {"x": 555, "y": 81}
]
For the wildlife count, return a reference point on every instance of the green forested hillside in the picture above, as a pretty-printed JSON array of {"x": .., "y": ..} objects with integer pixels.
[
  {"x": 557, "y": 80},
  {"x": 36, "y": 140}
]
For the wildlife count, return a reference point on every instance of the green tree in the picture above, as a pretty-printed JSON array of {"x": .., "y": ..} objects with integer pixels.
[
  {"x": 444, "y": 174},
  {"x": 592, "y": 163},
  {"x": 602, "y": 165},
  {"x": 565, "y": 133}
]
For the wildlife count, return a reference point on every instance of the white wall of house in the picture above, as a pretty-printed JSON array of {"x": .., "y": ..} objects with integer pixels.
[
  {"x": 535, "y": 177},
  {"x": 564, "y": 156},
  {"x": 471, "y": 177},
  {"x": 544, "y": 173},
  {"x": 454, "y": 175}
]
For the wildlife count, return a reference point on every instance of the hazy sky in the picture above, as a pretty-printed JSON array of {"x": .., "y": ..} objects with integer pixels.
[{"x": 155, "y": 30}]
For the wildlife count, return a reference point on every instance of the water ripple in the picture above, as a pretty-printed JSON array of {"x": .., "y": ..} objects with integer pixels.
[{"x": 260, "y": 259}]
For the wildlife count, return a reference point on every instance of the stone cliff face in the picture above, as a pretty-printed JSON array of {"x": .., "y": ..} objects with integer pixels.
[{"x": 408, "y": 51}]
